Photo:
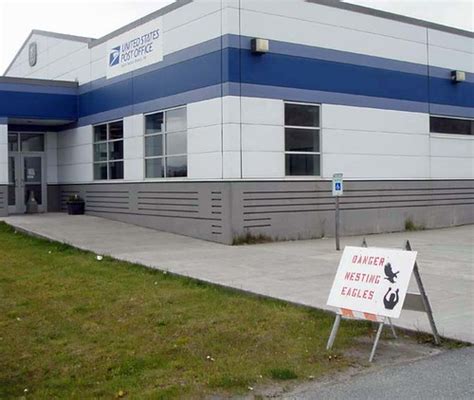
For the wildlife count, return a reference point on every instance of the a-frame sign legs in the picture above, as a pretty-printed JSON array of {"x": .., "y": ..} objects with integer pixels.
[
  {"x": 377, "y": 338},
  {"x": 335, "y": 328},
  {"x": 424, "y": 298}
]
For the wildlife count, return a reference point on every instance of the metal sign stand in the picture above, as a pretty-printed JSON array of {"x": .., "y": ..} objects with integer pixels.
[{"x": 413, "y": 301}]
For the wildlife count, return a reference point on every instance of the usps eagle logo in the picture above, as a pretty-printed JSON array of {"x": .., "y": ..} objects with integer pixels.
[{"x": 114, "y": 57}]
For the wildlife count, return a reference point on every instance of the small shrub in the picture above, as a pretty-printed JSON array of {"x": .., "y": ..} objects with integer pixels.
[
  {"x": 410, "y": 226},
  {"x": 282, "y": 374},
  {"x": 249, "y": 238}
]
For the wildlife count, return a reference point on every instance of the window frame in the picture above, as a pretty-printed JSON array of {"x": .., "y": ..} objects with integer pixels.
[
  {"x": 164, "y": 133},
  {"x": 108, "y": 161},
  {"x": 309, "y": 128}
]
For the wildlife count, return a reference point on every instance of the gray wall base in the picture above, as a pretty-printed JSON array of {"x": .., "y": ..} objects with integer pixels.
[
  {"x": 283, "y": 210},
  {"x": 3, "y": 200}
]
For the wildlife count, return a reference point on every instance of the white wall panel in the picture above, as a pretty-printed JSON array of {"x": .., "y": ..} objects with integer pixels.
[
  {"x": 75, "y": 137},
  {"x": 205, "y": 140},
  {"x": 263, "y": 165},
  {"x": 375, "y": 166},
  {"x": 231, "y": 137},
  {"x": 133, "y": 126},
  {"x": 452, "y": 167},
  {"x": 371, "y": 119},
  {"x": 192, "y": 33},
  {"x": 189, "y": 13},
  {"x": 262, "y": 111},
  {"x": 231, "y": 165},
  {"x": 451, "y": 59},
  {"x": 51, "y": 157},
  {"x": 66, "y": 49},
  {"x": 301, "y": 10},
  {"x": 98, "y": 69},
  {"x": 452, "y": 146},
  {"x": 360, "y": 142},
  {"x": 333, "y": 37},
  {"x": 263, "y": 138},
  {"x": 75, "y": 155},
  {"x": 205, "y": 166},
  {"x": 71, "y": 62},
  {"x": 231, "y": 110},
  {"x": 75, "y": 173},
  {"x": 204, "y": 113},
  {"x": 81, "y": 75},
  {"x": 133, "y": 147},
  {"x": 450, "y": 41},
  {"x": 134, "y": 169}
]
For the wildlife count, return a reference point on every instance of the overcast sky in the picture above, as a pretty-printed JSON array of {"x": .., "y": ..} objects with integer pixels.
[{"x": 96, "y": 18}]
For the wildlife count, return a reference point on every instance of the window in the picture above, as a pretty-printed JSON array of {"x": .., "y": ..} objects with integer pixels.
[
  {"x": 26, "y": 142},
  {"x": 166, "y": 144},
  {"x": 302, "y": 139},
  {"x": 108, "y": 151},
  {"x": 456, "y": 126}
]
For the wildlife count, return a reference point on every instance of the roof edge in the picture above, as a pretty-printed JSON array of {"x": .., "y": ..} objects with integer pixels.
[
  {"x": 395, "y": 17},
  {"x": 155, "y": 14},
  {"x": 38, "y": 82}
]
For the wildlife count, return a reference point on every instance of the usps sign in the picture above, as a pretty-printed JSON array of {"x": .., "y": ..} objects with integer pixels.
[
  {"x": 135, "y": 49},
  {"x": 372, "y": 280}
]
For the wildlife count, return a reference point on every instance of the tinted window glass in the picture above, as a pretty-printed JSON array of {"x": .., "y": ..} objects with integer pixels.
[
  {"x": 176, "y": 167},
  {"x": 100, "y": 133},
  {"x": 116, "y": 170},
  {"x": 154, "y": 168},
  {"x": 100, "y": 171},
  {"x": 154, "y": 145},
  {"x": 100, "y": 152},
  {"x": 32, "y": 142},
  {"x": 452, "y": 125},
  {"x": 13, "y": 142},
  {"x": 116, "y": 150},
  {"x": 302, "y": 164},
  {"x": 301, "y": 140},
  {"x": 301, "y": 115},
  {"x": 154, "y": 123},
  {"x": 116, "y": 130},
  {"x": 176, "y": 120},
  {"x": 176, "y": 143}
]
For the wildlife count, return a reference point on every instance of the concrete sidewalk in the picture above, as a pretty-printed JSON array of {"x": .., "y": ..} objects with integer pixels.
[{"x": 301, "y": 271}]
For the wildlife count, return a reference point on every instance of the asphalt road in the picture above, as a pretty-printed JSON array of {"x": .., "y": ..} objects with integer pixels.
[{"x": 449, "y": 375}]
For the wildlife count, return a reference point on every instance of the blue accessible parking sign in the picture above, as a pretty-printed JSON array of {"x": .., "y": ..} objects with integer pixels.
[{"x": 337, "y": 185}]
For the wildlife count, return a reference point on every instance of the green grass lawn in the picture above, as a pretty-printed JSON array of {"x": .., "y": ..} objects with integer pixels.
[{"x": 75, "y": 327}]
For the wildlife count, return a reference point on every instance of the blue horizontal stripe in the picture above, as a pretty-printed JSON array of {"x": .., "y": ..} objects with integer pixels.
[
  {"x": 207, "y": 93},
  {"x": 38, "y": 105},
  {"x": 313, "y": 74},
  {"x": 299, "y": 71},
  {"x": 188, "y": 75}
]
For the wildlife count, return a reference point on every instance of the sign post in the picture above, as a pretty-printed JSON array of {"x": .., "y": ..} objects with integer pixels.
[
  {"x": 337, "y": 191},
  {"x": 372, "y": 284}
]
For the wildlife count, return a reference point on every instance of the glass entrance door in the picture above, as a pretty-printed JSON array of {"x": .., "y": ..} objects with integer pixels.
[{"x": 26, "y": 172}]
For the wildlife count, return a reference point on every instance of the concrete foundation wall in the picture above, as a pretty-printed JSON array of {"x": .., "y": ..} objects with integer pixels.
[{"x": 281, "y": 210}]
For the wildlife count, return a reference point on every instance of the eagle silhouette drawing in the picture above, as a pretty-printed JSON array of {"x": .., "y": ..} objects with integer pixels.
[{"x": 390, "y": 275}]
